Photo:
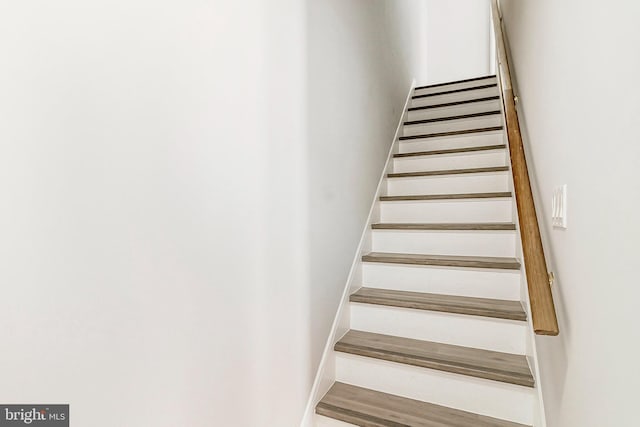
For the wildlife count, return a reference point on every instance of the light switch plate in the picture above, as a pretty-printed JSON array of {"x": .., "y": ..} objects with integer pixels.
[{"x": 559, "y": 207}]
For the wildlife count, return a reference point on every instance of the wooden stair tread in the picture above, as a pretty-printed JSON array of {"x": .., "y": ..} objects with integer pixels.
[
  {"x": 365, "y": 407},
  {"x": 454, "y": 196},
  {"x": 452, "y": 133},
  {"x": 487, "y": 364},
  {"x": 451, "y": 104},
  {"x": 455, "y": 82},
  {"x": 443, "y": 260},
  {"x": 452, "y": 151},
  {"x": 448, "y": 172},
  {"x": 458, "y": 117},
  {"x": 444, "y": 226},
  {"x": 500, "y": 309},
  {"x": 464, "y": 89}
]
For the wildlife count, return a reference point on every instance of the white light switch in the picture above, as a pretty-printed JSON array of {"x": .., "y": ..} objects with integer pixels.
[{"x": 559, "y": 207}]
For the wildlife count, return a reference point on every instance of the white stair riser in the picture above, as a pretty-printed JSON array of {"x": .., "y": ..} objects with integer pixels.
[
  {"x": 470, "y": 282},
  {"x": 454, "y": 110},
  {"x": 471, "y": 243},
  {"x": 466, "y": 160},
  {"x": 454, "y": 97},
  {"x": 458, "y": 329},
  {"x": 447, "y": 184},
  {"x": 321, "y": 421},
  {"x": 452, "y": 125},
  {"x": 453, "y": 141},
  {"x": 455, "y": 86},
  {"x": 485, "y": 397},
  {"x": 463, "y": 210}
]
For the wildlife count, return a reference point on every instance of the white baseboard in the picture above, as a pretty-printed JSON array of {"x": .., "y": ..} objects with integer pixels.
[{"x": 326, "y": 370}]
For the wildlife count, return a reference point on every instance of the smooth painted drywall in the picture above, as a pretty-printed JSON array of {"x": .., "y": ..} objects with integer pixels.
[
  {"x": 153, "y": 243},
  {"x": 458, "y": 40},
  {"x": 362, "y": 57},
  {"x": 180, "y": 199},
  {"x": 576, "y": 66}
]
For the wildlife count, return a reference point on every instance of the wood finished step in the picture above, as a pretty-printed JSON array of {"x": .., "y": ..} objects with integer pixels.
[
  {"x": 456, "y": 196},
  {"x": 452, "y": 151},
  {"x": 455, "y": 82},
  {"x": 447, "y": 92},
  {"x": 479, "y": 363},
  {"x": 458, "y": 117},
  {"x": 364, "y": 407},
  {"x": 486, "y": 307},
  {"x": 503, "y": 263},
  {"x": 448, "y": 172},
  {"x": 450, "y": 226},
  {"x": 451, "y": 104},
  {"x": 452, "y": 133}
]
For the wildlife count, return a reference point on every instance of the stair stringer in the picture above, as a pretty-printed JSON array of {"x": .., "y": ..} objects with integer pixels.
[{"x": 325, "y": 375}]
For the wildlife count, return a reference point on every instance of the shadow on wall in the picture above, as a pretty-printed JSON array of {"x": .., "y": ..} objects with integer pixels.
[
  {"x": 552, "y": 351},
  {"x": 361, "y": 58},
  {"x": 553, "y": 359}
]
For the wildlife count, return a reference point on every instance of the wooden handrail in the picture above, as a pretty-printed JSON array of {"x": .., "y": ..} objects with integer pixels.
[{"x": 543, "y": 312}]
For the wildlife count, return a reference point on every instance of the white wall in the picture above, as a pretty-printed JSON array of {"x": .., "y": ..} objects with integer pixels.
[
  {"x": 577, "y": 84},
  {"x": 152, "y": 172},
  {"x": 458, "y": 34},
  {"x": 406, "y": 34},
  {"x": 180, "y": 199},
  {"x": 363, "y": 55}
]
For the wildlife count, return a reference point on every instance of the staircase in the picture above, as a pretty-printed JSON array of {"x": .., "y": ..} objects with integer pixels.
[{"x": 438, "y": 335}]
